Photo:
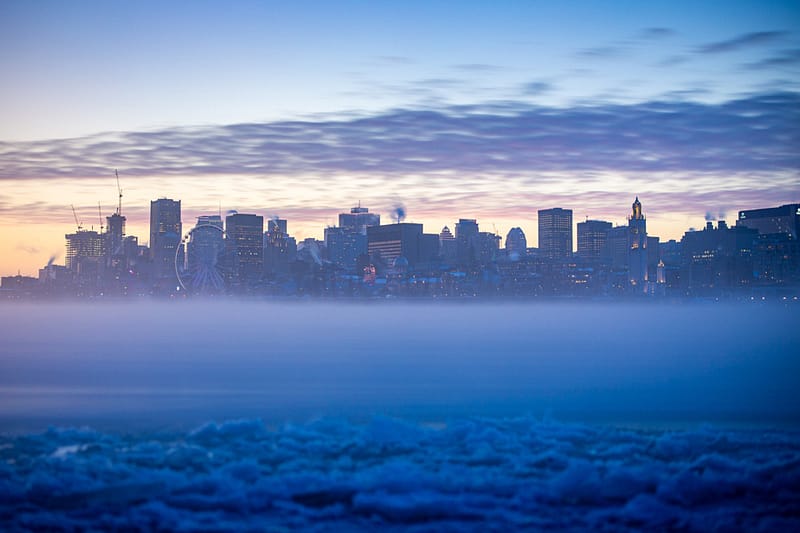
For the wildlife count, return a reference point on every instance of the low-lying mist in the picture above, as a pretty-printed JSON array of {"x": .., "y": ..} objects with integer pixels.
[{"x": 122, "y": 365}]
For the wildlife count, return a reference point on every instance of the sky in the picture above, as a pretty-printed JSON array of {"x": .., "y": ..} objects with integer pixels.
[{"x": 485, "y": 110}]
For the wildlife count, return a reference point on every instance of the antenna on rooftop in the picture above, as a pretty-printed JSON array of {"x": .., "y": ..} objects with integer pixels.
[
  {"x": 119, "y": 206},
  {"x": 100, "y": 212}
]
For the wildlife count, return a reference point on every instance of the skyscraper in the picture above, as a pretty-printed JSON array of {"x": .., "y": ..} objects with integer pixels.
[
  {"x": 555, "y": 233},
  {"x": 347, "y": 242},
  {"x": 395, "y": 240},
  {"x": 637, "y": 245},
  {"x": 279, "y": 247},
  {"x": 165, "y": 236},
  {"x": 344, "y": 246},
  {"x": 83, "y": 248},
  {"x": 772, "y": 220},
  {"x": 244, "y": 246},
  {"x": 447, "y": 246},
  {"x": 516, "y": 243},
  {"x": 593, "y": 240},
  {"x": 467, "y": 246},
  {"x": 115, "y": 235},
  {"x": 359, "y": 219}
]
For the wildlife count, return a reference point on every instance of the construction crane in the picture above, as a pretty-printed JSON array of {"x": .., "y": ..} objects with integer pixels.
[
  {"x": 77, "y": 223},
  {"x": 100, "y": 212},
  {"x": 119, "y": 206}
]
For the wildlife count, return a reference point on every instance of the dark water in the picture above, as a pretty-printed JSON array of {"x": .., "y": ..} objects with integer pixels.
[{"x": 386, "y": 415}]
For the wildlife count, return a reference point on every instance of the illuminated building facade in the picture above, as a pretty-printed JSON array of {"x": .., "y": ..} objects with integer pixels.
[{"x": 637, "y": 245}]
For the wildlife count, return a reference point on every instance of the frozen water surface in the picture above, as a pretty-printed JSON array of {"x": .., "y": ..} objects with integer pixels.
[{"x": 429, "y": 417}]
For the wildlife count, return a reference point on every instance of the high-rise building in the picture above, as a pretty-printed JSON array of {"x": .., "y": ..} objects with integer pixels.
[
  {"x": 637, "y": 245},
  {"x": 555, "y": 233},
  {"x": 447, "y": 246},
  {"x": 115, "y": 235},
  {"x": 617, "y": 248},
  {"x": 280, "y": 248},
  {"x": 277, "y": 227},
  {"x": 488, "y": 246},
  {"x": 165, "y": 236},
  {"x": 84, "y": 248},
  {"x": 771, "y": 220},
  {"x": 344, "y": 246},
  {"x": 516, "y": 243},
  {"x": 467, "y": 246},
  {"x": 593, "y": 240},
  {"x": 347, "y": 242},
  {"x": 244, "y": 248},
  {"x": 717, "y": 258},
  {"x": 359, "y": 219},
  {"x": 395, "y": 240}
]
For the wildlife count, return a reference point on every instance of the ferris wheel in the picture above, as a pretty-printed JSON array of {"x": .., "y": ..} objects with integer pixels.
[{"x": 204, "y": 268}]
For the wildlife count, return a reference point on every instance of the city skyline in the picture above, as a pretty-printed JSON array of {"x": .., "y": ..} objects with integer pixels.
[
  {"x": 104, "y": 227},
  {"x": 469, "y": 110}
]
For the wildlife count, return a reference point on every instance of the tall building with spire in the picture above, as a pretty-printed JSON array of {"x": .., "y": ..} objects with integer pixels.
[{"x": 637, "y": 245}]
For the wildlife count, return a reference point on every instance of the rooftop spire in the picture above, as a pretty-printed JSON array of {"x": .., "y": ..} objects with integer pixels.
[{"x": 637, "y": 209}]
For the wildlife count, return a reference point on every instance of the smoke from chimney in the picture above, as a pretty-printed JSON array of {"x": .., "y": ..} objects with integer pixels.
[{"x": 399, "y": 213}]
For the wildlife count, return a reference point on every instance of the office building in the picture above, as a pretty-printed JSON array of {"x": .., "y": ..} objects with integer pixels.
[
  {"x": 359, "y": 219},
  {"x": 85, "y": 249},
  {"x": 516, "y": 243},
  {"x": 244, "y": 248},
  {"x": 488, "y": 246},
  {"x": 467, "y": 246},
  {"x": 447, "y": 246},
  {"x": 280, "y": 249},
  {"x": 593, "y": 240},
  {"x": 165, "y": 236},
  {"x": 637, "y": 245},
  {"x": 391, "y": 241},
  {"x": 555, "y": 233},
  {"x": 115, "y": 236},
  {"x": 345, "y": 246},
  {"x": 773, "y": 220}
]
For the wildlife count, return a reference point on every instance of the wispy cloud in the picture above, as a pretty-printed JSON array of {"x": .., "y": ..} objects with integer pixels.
[
  {"x": 761, "y": 132},
  {"x": 28, "y": 249},
  {"x": 394, "y": 60},
  {"x": 603, "y": 52},
  {"x": 536, "y": 88},
  {"x": 656, "y": 33},
  {"x": 786, "y": 58},
  {"x": 742, "y": 41},
  {"x": 477, "y": 67},
  {"x": 671, "y": 61}
]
